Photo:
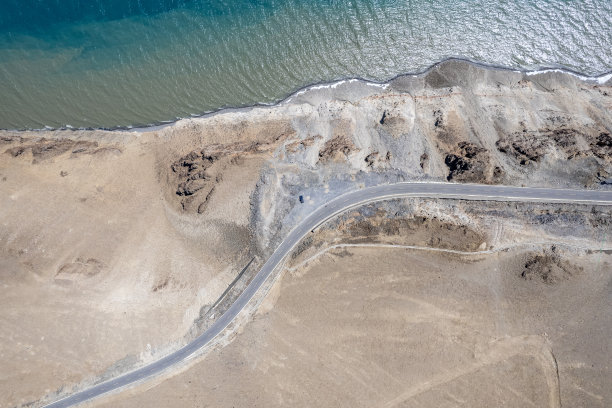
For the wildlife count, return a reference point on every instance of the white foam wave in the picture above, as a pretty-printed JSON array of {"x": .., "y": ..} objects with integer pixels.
[
  {"x": 334, "y": 85},
  {"x": 381, "y": 86},
  {"x": 599, "y": 80}
]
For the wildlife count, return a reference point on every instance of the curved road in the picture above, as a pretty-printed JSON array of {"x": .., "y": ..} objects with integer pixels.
[{"x": 316, "y": 218}]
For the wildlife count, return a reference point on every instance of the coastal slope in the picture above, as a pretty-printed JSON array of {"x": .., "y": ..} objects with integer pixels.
[{"x": 115, "y": 245}]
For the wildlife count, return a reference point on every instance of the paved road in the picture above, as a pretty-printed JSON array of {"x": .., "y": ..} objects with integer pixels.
[{"x": 316, "y": 218}]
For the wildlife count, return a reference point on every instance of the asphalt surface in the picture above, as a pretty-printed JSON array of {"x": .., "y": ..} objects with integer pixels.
[{"x": 316, "y": 218}]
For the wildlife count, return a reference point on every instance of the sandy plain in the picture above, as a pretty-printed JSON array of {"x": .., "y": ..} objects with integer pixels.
[
  {"x": 114, "y": 245},
  {"x": 392, "y": 327}
]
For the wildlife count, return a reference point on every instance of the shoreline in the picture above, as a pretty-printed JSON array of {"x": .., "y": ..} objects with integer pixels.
[
  {"x": 141, "y": 128},
  {"x": 159, "y": 223}
]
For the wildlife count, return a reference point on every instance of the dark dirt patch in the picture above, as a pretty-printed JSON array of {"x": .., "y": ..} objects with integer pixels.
[
  {"x": 423, "y": 160},
  {"x": 529, "y": 146},
  {"x": 471, "y": 163},
  {"x": 371, "y": 158},
  {"x": 343, "y": 253},
  {"x": 337, "y": 148},
  {"x": 160, "y": 285},
  {"x": 80, "y": 266},
  {"x": 438, "y": 118},
  {"x": 422, "y": 231},
  {"x": 302, "y": 246},
  {"x": 375, "y": 159},
  {"x": 8, "y": 139},
  {"x": 294, "y": 146},
  {"x": 44, "y": 149},
  {"x": 549, "y": 267},
  {"x": 602, "y": 146},
  {"x": 193, "y": 177},
  {"x": 600, "y": 218},
  {"x": 393, "y": 123}
]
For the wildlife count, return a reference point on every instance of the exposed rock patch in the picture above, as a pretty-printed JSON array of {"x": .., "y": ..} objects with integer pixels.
[
  {"x": 471, "y": 163},
  {"x": 196, "y": 178},
  {"x": 196, "y": 174},
  {"x": 466, "y": 159},
  {"x": 375, "y": 159},
  {"x": 530, "y": 146},
  {"x": 438, "y": 118},
  {"x": 602, "y": 146}
]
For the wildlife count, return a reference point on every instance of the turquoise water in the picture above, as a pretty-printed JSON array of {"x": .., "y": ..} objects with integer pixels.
[{"x": 134, "y": 62}]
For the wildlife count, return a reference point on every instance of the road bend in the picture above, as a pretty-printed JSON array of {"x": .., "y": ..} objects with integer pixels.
[{"x": 310, "y": 223}]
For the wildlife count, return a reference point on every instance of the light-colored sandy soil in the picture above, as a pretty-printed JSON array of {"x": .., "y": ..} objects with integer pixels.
[
  {"x": 96, "y": 267},
  {"x": 112, "y": 244},
  {"x": 401, "y": 328}
]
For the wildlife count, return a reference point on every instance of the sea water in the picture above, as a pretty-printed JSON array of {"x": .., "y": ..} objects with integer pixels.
[{"x": 110, "y": 63}]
